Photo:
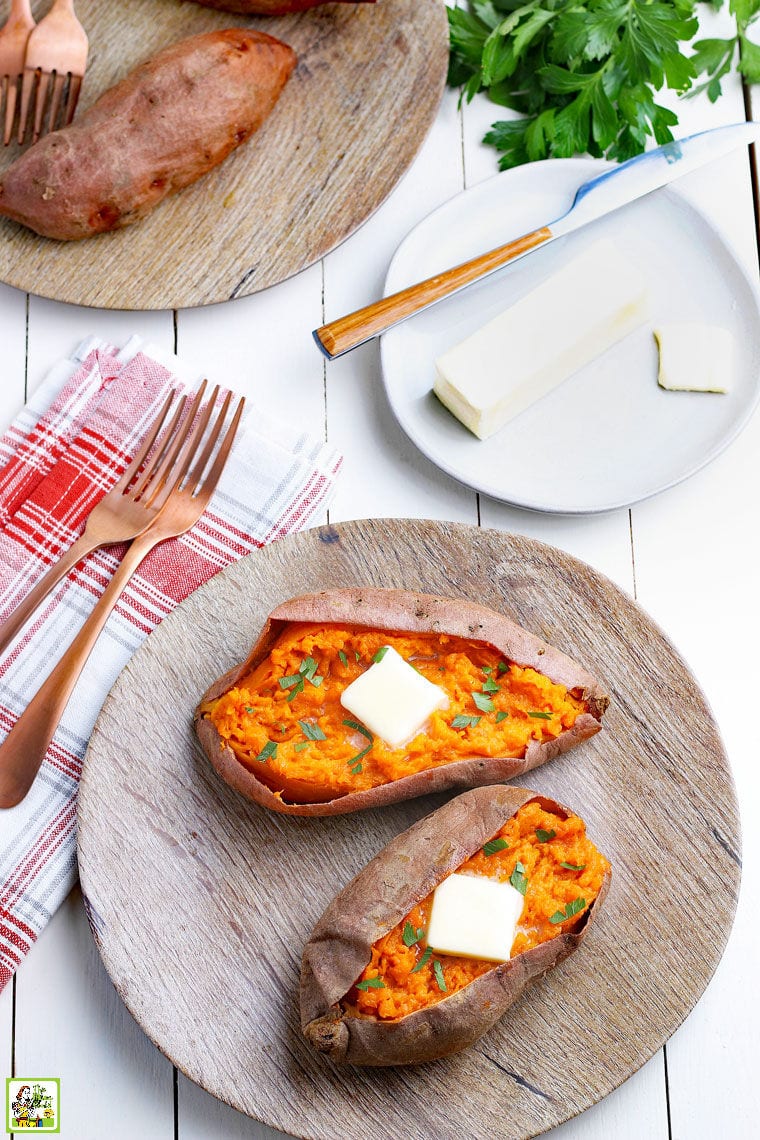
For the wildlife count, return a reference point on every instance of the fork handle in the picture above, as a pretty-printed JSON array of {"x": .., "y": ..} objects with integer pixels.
[
  {"x": 24, "y": 748},
  {"x": 14, "y": 623}
]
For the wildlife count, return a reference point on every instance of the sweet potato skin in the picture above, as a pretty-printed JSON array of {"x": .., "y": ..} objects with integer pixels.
[
  {"x": 162, "y": 127},
  {"x": 402, "y": 874},
  {"x": 270, "y": 7},
  {"x": 404, "y": 610}
]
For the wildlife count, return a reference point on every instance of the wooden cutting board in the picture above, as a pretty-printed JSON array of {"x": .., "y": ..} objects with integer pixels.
[
  {"x": 348, "y": 124},
  {"x": 200, "y": 902}
]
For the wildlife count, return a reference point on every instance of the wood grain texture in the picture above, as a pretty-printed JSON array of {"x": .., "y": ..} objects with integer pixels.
[
  {"x": 351, "y": 119},
  {"x": 201, "y": 902}
]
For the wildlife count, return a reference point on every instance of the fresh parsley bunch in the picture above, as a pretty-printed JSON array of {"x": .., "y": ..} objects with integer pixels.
[{"x": 583, "y": 73}]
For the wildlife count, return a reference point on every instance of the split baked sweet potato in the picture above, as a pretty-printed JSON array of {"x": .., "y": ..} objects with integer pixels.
[
  {"x": 167, "y": 123},
  {"x": 276, "y": 729},
  {"x": 373, "y": 993},
  {"x": 270, "y": 7}
]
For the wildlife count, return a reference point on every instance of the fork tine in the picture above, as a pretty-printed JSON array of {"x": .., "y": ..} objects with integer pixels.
[
  {"x": 9, "y": 95},
  {"x": 202, "y": 461},
  {"x": 59, "y": 82},
  {"x": 75, "y": 86},
  {"x": 175, "y": 461},
  {"x": 43, "y": 82},
  {"x": 153, "y": 432},
  {"x": 211, "y": 480},
  {"x": 28, "y": 81}
]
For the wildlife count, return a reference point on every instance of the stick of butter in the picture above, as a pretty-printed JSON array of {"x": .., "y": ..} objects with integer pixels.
[
  {"x": 568, "y": 320},
  {"x": 694, "y": 357}
]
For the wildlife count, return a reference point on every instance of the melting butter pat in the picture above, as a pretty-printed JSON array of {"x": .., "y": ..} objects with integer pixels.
[
  {"x": 392, "y": 699},
  {"x": 694, "y": 357},
  {"x": 474, "y": 917},
  {"x": 523, "y": 354}
]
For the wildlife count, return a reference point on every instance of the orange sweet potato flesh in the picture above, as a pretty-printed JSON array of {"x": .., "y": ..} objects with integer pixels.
[
  {"x": 270, "y": 7},
  {"x": 390, "y": 889},
  {"x": 257, "y": 733},
  {"x": 162, "y": 127}
]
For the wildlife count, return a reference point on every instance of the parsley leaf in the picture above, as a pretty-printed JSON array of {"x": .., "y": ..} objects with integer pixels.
[
  {"x": 574, "y": 866},
  {"x": 381, "y": 653},
  {"x": 494, "y": 845},
  {"x": 540, "y": 715},
  {"x": 572, "y": 908},
  {"x": 410, "y": 936},
  {"x": 423, "y": 961},
  {"x": 462, "y": 721},
  {"x": 518, "y": 878},
  {"x": 500, "y": 716},
  {"x": 269, "y": 749},
  {"x": 483, "y": 702},
  {"x": 371, "y": 984},
  {"x": 438, "y": 971},
  {"x": 355, "y": 763},
  {"x": 312, "y": 731},
  {"x": 545, "y": 836},
  {"x": 343, "y": 658}
]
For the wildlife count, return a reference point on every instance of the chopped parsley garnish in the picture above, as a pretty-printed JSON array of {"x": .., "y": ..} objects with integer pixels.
[
  {"x": 355, "y": 764},
  {"x": 500, "y": 716},
  {"x": 490, "y": 686},
  {"x": 438, "y": 971},
  {"x": 371, "y": 984},
  {"x": 483, "y": 702},
  {"x": 423, "y": 961},
  {"x": 312, "y": 731},
  {"x": 574, "y": 866},
  {"x": 269, "y": 749},
  {"x": 518, "y": 878},
  {"x": 248, "y": 709},
  {"x": 343, "y": 658},
  {"x": 541, "y": 715},
  {"x": 381, "y": 653},
  {"x": 494, "y": 845},
  {"x": 502, "y": 667},
  {"x": 545, "y": 836},
  {"x": 356, "y": 655},
  {"x": 289, "y": 682},
  {"x": 296, "y": 689},
  {"x": 570, "y": 911},
  {"x": 300, "y": 746},
  {"x": 410, "y": 936},
  {"x": 462, "y": 721}
]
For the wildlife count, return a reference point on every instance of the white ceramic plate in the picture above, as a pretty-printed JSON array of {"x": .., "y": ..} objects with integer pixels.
[{"x": 608, "y": 436}]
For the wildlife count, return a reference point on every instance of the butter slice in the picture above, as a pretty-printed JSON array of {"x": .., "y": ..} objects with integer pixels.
[
  {"x": 695, "y": 357},
  {"x": 571, "y": 318},
  {"x": 474, "y": 917},
  {"x": 392, "y": 699}
]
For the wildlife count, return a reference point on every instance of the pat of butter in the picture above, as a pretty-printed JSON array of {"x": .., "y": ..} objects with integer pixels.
[
  {"x": 474, "y": 917},
  {"x": 521, "y": 355},
  {"x": 694, "y": 358},
  {"x": 392, "y": 699}
]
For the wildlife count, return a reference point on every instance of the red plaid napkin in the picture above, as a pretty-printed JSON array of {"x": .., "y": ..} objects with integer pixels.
[{"x": 68, "y": 446}]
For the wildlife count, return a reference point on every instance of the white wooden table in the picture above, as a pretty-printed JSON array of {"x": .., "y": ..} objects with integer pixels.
[{"x": 689, "y": 557}]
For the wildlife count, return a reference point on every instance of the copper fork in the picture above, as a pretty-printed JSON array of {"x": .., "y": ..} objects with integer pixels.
[
  {"x": 186, "y": 496},
  {"x": 56, "y": 57},
  {"x": 13, "y": 40},
  {"x": 124, "y": 512}
]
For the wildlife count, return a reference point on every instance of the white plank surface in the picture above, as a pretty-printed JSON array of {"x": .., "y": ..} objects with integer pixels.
[{"x": 688, "y": 555}]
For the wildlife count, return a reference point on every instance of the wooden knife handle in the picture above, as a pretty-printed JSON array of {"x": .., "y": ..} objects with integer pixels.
[{"x": 348, "y": 332}]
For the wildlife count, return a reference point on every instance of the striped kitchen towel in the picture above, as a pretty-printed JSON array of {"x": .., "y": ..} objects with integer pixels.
[{"x": 67, "y": 447}]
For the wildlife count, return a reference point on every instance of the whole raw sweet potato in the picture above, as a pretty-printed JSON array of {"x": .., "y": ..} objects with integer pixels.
[
  {"x": 270, "y": 7},
  {"x": 163, "y": 126},
  {"x": 340, "y": 949},
  {"x": 305, "y": 724}
]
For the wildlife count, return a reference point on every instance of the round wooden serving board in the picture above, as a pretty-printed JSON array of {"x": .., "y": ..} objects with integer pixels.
[
  {"x": 348, "y": 124},
  {"x": 201, "y": 902}
]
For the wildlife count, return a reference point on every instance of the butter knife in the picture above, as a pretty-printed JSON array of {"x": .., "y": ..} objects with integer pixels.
[{"x": 599, "y": 196}]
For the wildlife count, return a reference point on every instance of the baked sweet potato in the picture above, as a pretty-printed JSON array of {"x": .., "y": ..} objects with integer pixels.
[
  {"x": 162, "y": 127},
  {"x": 274, "y": 726},
  {"x": 270, "y": 7},
  {"x": 372, "y": 992}
]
